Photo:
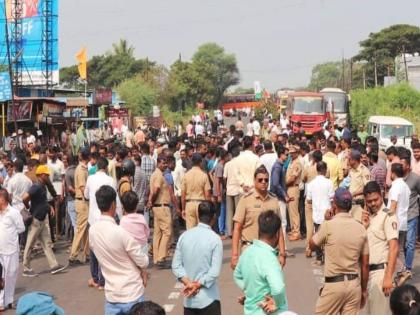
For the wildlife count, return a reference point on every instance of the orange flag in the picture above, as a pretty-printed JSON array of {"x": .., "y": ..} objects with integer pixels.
[{"x": 81, "y": 57}]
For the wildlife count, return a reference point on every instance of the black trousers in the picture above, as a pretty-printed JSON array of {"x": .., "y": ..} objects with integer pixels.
[{"x": 213, "y": 309}]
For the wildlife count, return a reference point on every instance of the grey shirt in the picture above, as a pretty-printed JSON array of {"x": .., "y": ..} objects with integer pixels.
[{"x": 413, "y": 182}]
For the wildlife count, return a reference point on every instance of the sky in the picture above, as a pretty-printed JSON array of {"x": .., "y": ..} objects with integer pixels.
[{"x": 276, "y": 42}]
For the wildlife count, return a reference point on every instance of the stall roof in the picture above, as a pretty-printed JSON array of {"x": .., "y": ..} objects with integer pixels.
[{"x": 49, "y": 99}]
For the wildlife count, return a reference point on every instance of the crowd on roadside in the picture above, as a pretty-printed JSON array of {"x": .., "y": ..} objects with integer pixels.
[{"x": 124, "y": 202}]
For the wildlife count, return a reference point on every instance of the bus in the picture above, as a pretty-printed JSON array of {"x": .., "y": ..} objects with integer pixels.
[
  {"x": 340, "y": 101},
  {"x": 234, "y": 103},
  {"x": 308, "y": 108}
]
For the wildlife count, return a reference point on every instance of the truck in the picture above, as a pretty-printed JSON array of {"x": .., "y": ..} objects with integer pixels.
[
  {"x": 338, "y": 103},
  {"x": 308, "y": 108}
]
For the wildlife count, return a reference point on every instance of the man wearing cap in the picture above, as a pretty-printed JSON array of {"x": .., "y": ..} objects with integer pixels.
[
  {"x": 382, "y": 233},
  {"x": 293, "y": 179},
  {"x": 80, "y": 245},
  {"x": 39, "y": 228},
  {"x": 345, "y": 244},
  {"x": 195, "y": 188},
  {"x": 245, "y": 220},
  {"x": 359, "y": 176}
]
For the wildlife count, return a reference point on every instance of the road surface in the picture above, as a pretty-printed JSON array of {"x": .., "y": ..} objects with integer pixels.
[{"x": 72, "y": 293}]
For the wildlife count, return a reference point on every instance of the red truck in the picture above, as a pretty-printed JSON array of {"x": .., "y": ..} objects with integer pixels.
[{"x": 308, "y": 108}]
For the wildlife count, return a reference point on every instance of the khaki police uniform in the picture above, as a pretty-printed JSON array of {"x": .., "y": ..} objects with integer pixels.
[
  {"x": 359, "y": 177},
  {"x": 309, "y": 174},
  {"x": 383, "y": 228},
  {"x": 344, "y": 240},
  {"x": 80, "y": 245},
  {"x": 249, "y": 208},
  {"x": 162, "y": 226},
  {"x": 195, "y": 183},
  {"x": 294, "y": 171}
]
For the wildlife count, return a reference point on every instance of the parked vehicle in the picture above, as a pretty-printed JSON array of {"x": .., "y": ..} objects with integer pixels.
[{"x": 384, "y": 127}]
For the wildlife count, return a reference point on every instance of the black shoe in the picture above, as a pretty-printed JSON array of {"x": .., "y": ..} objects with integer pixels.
[
  {"x": 75, "y": 262},
  {"x": 164, "y": 265}
]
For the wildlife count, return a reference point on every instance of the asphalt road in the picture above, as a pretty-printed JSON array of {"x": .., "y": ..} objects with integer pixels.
[{"x": 72, "y": 293}]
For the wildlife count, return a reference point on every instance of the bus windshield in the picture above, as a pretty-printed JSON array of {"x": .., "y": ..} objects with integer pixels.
[
  {"x": 338, "y": 99},
  {"x": 396, "y": 130},
  {"x": 308, "y": 105}
]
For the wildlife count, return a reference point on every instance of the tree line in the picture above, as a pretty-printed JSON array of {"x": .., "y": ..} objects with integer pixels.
[
  {"x": 374, "y": 61},
  {"x": 142, "y": 83}
]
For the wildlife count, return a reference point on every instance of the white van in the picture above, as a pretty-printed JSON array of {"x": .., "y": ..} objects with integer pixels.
[{"x": 383, "y": 127}]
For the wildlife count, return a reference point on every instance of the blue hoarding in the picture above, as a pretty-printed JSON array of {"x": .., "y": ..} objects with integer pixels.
[
  {"x": 33, "y": 27},
  {"x": 5, "y": 87}
]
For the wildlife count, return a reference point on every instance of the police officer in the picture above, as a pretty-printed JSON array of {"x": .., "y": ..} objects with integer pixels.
[
  {"x": 159, "y": 202},
  {"x": 195, "y": 188},
  {"x": 246, "y": 216},
  {"x": 345, "y": 245},
  {"x": 293, "y": 179},
  {"x": 382, "y": 232},
  {"x": 359, "y": 177}
]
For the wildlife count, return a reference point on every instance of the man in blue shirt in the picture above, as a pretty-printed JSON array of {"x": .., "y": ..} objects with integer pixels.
[
  {"x": 278, "y": 187},
  {"x": 197, "y": 263},
  {"x": 259, "y": 274}
]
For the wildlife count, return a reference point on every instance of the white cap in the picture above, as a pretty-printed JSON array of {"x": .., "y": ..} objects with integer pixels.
[{"x": 288, "y": 313}]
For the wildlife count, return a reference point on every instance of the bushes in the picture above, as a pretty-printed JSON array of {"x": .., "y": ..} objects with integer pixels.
[{"x": 397, "y": 100}]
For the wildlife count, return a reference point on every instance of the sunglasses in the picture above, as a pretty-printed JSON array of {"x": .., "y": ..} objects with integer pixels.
[{"x": 265, "y": 180}]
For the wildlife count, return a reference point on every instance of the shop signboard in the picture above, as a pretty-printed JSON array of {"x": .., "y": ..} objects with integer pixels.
[{"x": 19, "y": 111}]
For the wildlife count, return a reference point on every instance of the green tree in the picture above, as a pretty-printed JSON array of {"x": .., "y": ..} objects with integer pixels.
[
  {"x": 385, "y": 45},
  {"x": 139, "y": 95},
  {"x": 326, "y": 74},
  {"x": 217, "y": 72},
  {"x": 109, "y": 69}
]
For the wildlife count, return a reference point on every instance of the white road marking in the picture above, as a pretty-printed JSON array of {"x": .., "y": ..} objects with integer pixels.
[
  {"x": 168, "y": 307},
  {"x": 174, "y": 295}
]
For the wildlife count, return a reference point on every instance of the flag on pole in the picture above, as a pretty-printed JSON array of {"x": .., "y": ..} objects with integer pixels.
[{"x": 81, "y": 57}]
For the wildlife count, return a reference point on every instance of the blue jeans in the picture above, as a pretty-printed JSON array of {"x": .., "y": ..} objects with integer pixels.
[
  {"x": 71, "y": 210},
  {"x": 411, "y": 242},
  {"x": 120, "y": 308},
  {"x": 222, "y": 219},
  {"x": 95, "y": 270}
]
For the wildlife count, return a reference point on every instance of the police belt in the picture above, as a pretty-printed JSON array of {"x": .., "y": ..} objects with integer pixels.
[
  {"x": 341, "y": 278},
  {"x": 161, "y": 205},
  {"x": 196, "y": 200},
  {"x": 246, "y": 243},
  {"x": 374, "y": 267}
]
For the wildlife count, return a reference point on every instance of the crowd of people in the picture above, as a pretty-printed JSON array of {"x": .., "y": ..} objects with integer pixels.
[{"x": 166, "y": 200}]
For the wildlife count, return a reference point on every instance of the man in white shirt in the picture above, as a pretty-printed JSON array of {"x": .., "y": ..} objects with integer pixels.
[
  {"x": 93, "y": 183},
  {"x": 269, "y": 157},
  {"x": 256, "y": 127},
  {"x": 398, "y": 202},
  {"x": 284, "y": 122},
  {"x": 57, "y": 173},
  {"x": 18, "y": 185},
  {"x": 247, "y": 162},
  {"x": 230, "y": 176},
  {"x": 250, "y": 128},
  {"x": 11, "y": 225},
  {"x": 120, "y": 256},
  {"x": 199, "y": 129},
  {"x": 320, "y": 193}
]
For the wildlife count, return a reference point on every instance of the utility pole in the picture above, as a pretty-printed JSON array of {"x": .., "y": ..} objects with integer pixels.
[
  {"x": 351, "y": 74},
  {"x": 343, "y": 84},
  {"x": 376, "y": 71},
  {"x": 364, "y": 77},
  {"x": 405, "y": 64}
]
